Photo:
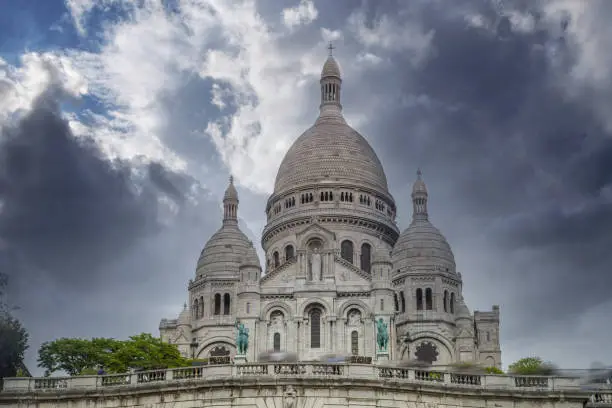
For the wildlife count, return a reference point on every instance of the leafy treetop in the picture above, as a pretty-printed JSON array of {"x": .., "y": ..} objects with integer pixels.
[
  {"x": 13, "y": 336},
  {"x": 85, "y": 356},
  {"x": 531, "y": 366}
]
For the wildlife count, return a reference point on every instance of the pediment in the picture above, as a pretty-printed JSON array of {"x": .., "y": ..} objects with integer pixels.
[
  {"x": 314, "y": 230},
  {"x": 465, "y": 333},
  {"x": 180, "y": 338},
  {"x": 350, "y": 276},
  {"x": 281, "y": 277}
]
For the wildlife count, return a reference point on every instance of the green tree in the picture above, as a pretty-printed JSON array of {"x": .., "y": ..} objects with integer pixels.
[
  {"x": 13, "y": 337},
  {"x": 83, "y": 356},
  {"x": 493, "y": 370},
  {"x": 146, "y": 352},
  {"x": 74, "y": 356},
  {"x": 531, "y": 366}
]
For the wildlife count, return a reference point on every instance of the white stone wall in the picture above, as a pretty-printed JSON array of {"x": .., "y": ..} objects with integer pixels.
[{"x": 346, "y": 386}]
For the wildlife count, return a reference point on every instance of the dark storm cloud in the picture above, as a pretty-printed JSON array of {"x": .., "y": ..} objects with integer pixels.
[
  {"x": 87, "y": 239},
  {"x": 61, "y": 197},
  {"x": 489, "y": 118}
]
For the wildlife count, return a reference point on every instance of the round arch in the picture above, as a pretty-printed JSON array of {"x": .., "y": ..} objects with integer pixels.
[
  {"x": 204, "y": 348},
  {"x": 431, "y": 336},
  {"x": 315, "y": 302},
  {"x": 275, "y": 305},
  {"x": 310, "y": 235},
  {"x": 354, "y": 303}
]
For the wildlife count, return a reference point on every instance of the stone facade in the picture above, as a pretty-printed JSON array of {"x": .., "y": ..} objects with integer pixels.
[
  {"x": 299, "y": 385},
  {"x": 335, "y": 263}
]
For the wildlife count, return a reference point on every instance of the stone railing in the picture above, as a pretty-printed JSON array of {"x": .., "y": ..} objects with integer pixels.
[{"x": 310, "y": 370}]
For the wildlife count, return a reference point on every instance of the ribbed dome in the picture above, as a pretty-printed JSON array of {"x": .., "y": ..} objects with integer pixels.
[
  {"x": 422, "y": 246},
  {"x": 251, "y": 258},
  {"x": 462, "y": 310},
  {"x": 223, "y": 253},
  {"x": 330, "y": 68},
  {"x": 331, "y": 150},
  {"x": 184, "y": 317}
]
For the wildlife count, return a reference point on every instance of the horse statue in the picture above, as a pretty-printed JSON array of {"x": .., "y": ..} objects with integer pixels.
[
  {"x": 382, "y": 337},
  {"x": 242, "y": 338}
]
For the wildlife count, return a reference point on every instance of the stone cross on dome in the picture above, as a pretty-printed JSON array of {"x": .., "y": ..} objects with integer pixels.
[{"x": 330, "y": 48}]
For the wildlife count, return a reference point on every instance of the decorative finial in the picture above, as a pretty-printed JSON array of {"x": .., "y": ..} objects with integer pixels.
[
  {"x": 419, "y": 173},
  {"x": 185, "y": 306},
  {"x": 330, "y": 48},
  {"x": 231, "y": 180}
]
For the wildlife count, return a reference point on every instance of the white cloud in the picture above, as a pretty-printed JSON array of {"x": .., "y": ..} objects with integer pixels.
[
  {"x": 262, "y": 91},
  {"x": 24, "y": 83},
  {"x": 587, "y": 34},
  {"x": 385, "y": 33},
  {"x": 302, "y": 14}
]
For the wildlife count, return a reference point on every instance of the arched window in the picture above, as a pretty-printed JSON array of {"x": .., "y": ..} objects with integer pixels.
[
  {"x": 428, "y": 299},
  {"x": 397, "y": 309},
  {"x": 366, "y": 255},
  {"x": 277, "y": 342},
  {"x": 354, "y": 343},
  {"x": 196, "y": 310},
  {"x": 289, "y": 253},
  {"x": 226, "y": 304},
  {"x": 346, "y": 251},
  {"x": 419, "y": 299},
  {"x": 315, "y": 328},
  {"x": 248, "y": 307},
  {"x": 445, "y": 301},
  {"x": 403, "y": 300},
  {"x": 452, "y": 303},
  {"x": 201, "y": 306},
  {"x": 276, "y": 259},
  {"x": 488, "y": 336},
  {"x": 382, "y": 305},
  {"x": 217, "y": 310}
]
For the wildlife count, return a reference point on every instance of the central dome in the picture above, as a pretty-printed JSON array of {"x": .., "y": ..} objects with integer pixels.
[{"x": 331, "y": 150}]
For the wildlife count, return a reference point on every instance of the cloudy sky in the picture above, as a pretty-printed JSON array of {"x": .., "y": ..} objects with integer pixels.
[{"x": 120, "y": 124}]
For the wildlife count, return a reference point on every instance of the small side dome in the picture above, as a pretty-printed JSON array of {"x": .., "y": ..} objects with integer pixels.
[
  {"x": 330, "y": 68},
  {"x": 184, "y": 317},
  {"x": 250, "y": 259},
  {"x": 422, "y": 246},
  {"x": 224, "y": 251},
  {"x": 462, "y": 310}
]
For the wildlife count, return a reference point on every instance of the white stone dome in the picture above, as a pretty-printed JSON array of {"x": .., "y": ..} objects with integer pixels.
[
  {"x": 223, "y": 253},
  {"x": 251, "y": 259},
  {"x": 229, "y": 247},
  {"x": 422, "y": 246},
  {"x": 331, "y": 151}
]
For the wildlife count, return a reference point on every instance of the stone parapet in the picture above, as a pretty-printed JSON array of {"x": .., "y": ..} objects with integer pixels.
[
  {"x": 305, "y": 371},
  {"x": 300, "y": 385}
]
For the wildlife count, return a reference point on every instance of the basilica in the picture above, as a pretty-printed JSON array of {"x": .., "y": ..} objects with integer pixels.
[{"x": 336, "y": 269}]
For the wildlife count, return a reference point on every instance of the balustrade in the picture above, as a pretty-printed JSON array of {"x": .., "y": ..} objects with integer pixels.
[{"x": 309, "y": 370}]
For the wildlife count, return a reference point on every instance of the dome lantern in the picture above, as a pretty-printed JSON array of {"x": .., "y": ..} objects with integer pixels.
[
  {"x": 331, "y": 84},
  {"x": 419, "y": 198},
  {"x": 230, "y": 203}
]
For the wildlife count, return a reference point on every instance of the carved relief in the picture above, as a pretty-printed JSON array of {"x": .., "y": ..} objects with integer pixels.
[
  {"x": 289, "y": 397},
  {"x": 354, "y": 317}
]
